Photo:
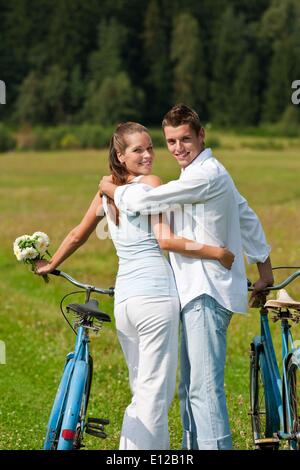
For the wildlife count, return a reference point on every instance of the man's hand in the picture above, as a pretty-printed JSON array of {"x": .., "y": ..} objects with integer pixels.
[
  {"x": 259, "y": 294},
  {"x": 260, "y": 287},
  {"x": 106, "y": 186},
  {"x": 226, "y": 257}
]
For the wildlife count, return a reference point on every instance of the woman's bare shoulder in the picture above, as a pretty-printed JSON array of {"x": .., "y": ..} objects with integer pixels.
[{"x": 152, "y": 180}]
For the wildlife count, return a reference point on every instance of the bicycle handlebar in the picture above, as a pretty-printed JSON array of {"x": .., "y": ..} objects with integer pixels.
[
  {"x": 283, "y": 284},
  {"x": 109, "y": 291}
]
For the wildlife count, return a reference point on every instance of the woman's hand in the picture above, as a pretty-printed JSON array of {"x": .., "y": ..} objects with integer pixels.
[
  {"x": 43, "y": 267},
  {"x": 104, "y": 182},
  {"x": 225, "y": 257}
]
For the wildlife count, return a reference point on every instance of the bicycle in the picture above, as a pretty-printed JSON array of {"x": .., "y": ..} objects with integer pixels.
[
  {"x": 275, "y": 398},
  {"x": 67, "y": 422}
]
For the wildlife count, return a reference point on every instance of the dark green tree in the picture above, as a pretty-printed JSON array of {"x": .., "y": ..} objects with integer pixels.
[
  {"x": 107, "y": 59},
  {"x": 189, "y": 80},
  {"x": 115, "y": 100},
  {"x": 278, "y": 91},
  {"x": 14, "y": 40},
  {"x": 230, "y": 52},
  {"x": 41, "y": 98},
  {"x": 75, "y": 93},
  {"x": 110, "y": 93},
  {"x": 280, "y": 28},
  {"x": 30, "y": 107},
  {"x": 246, "y": 93},
  {"x": 72, "y": 32},
  {"x": 156, "y": 62},
  {"x": 54, "y": 88}
]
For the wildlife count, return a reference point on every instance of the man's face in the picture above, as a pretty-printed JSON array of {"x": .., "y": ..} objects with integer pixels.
[{"x": 184, "y": 143}]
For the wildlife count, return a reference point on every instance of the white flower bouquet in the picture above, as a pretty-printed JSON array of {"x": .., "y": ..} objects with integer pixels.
[{"x": 30, "y": 248}]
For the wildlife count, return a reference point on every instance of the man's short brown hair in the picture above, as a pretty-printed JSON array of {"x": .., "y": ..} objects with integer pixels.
[{"x": 182, "y": 114}]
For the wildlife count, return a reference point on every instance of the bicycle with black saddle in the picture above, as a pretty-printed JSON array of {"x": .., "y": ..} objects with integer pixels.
[{"x": 67, "y": 423}]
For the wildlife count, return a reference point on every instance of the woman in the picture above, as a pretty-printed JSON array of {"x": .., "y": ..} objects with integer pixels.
[{"x": 146, "y": 301}]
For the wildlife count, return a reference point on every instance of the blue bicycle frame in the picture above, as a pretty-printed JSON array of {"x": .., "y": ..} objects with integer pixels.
[
  {"x": 66, "y": 424},
  {"x": 77, "y": 364},
  {"x": 278, "y": 406},
  {"x": 275, "y": 387}
]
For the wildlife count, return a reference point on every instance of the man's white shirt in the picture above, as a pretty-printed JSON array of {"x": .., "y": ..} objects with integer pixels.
[{"x": 207, "y": 208}]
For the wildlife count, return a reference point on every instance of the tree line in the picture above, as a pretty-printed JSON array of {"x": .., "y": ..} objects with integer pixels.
[{"x": 74, "y": 61}]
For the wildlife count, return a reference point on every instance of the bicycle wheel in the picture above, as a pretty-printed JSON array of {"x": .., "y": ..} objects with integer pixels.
[
  {"x": 263, "y": 420},
  {"x": 72, "y": 424},
  {"x": 56, "y": 415},
  {"x": 293, "y": 390}
]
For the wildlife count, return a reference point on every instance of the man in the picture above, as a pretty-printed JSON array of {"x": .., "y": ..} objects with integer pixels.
[{"x": 214, "y": 213}]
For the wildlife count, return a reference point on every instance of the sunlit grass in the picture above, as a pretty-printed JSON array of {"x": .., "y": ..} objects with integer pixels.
[{"x": 50, "y": 192}]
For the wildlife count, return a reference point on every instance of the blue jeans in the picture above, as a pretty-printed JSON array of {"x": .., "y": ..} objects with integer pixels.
[{"x": 202, "y": 363}]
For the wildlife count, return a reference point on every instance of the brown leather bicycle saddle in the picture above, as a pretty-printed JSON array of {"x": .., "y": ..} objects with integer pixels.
[{"x": 283, "y": 300}]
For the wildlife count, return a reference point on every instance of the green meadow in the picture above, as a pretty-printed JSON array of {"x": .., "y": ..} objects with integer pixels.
[{"x": 50, "y": 191}]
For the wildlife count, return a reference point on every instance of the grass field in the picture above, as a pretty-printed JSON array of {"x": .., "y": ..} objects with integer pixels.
[{"x": 50, "y": 192}]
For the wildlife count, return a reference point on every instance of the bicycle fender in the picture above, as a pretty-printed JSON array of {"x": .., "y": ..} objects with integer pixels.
[
  {"x": 73, "y": 405},
  {"x": 58, "y": 405}
]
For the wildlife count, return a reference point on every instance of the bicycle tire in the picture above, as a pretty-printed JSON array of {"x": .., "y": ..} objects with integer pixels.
[
  {"x": 261, "y": 403},
  {"x": 57, "y": 411},
  {"x": 293, "y": 390},
  {"x": 76, "y": 395}
]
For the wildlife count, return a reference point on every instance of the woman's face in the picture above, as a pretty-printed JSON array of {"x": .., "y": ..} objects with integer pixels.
[{"x": 138, "y": 155}]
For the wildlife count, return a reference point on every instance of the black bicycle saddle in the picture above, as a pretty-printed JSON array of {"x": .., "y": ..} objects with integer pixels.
[{"x": 89, "y": 309}]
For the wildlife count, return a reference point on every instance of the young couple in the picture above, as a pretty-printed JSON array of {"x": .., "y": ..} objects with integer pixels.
[{"x": 206, "y": 283}]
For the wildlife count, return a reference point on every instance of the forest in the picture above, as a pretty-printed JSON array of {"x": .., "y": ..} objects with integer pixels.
[{"x": 100, "y": 62}]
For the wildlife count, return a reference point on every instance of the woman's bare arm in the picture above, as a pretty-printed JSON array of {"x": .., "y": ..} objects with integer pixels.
[
  {"x": 169, "y": 241},
  {"x": 75, "y": 238}
]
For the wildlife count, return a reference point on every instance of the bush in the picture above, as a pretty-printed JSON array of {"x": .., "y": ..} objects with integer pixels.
[
  {"x": 64, "y": 137},
  {"x": 26, "y": 139},
  {"x": 7, "y": 140},
  {"x": 263, "y": 145},
  {"x": 213, "y": 142},
  {"x": 158, "y": 138},
  {"x": 70, "y": 141},
  {"x": 47, "y": 138},
  {"x": 94, "y": 136},
  {"x": 289, "y": 125}
]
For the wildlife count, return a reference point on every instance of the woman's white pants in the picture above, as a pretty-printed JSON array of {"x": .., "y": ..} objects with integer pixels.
[{"x": 147, "y": 329}]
